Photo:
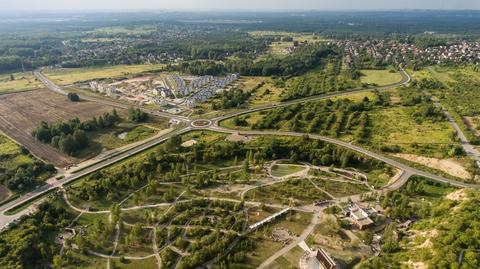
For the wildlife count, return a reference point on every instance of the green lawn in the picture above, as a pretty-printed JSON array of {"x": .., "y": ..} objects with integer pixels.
[
  {"x": 83, "y": 261},
  {"x": 340, "y": 189},
  {"x": 69, "y": 76},
  {"x": 294, "y": 191},
  {"x": 294, "y": 221},
  {"x": 20, "y": 82},
  {"x": 380, "y": 77},
  {"x": 397, "y": 126},
  {"x": 288, "y": 260},
  {"x": 149, "y": 263},
  {"x": 112, "y": 138},
  {"x": 281, "y": 170},
  {"x": 138, "y": 134}
]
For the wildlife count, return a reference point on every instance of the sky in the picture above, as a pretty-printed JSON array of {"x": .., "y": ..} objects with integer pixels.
[{"x": 234, "y": 5}]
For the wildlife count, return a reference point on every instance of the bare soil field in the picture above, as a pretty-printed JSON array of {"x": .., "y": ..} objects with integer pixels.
[
  {"x": 460, "y": 195},
  {"x": 449, "y": 166},
  {"x": 21, "y": 112}
]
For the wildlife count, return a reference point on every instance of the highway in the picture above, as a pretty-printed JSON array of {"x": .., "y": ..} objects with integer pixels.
[
  {"x": 100, "y": 165},
  {"x": 213, "y": 126}
]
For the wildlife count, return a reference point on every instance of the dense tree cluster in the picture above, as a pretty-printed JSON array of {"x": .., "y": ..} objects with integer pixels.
[
  {"x": 231, "y": 99},
  {"x": 424, "y": 108},
  {"x": 424, "y": 42},
  {"x": 427, "y": 83},
  {"x": 181, "y": 41},
  {"x": 29, "y": 244},
  {"x": 71, "y": 136},
  {"x": 21, "y": 175},
  {"x": 24, "y": 176},
  {"x": 137, "y": 115},
  {"x": 398, "y": 204},
  {"x": 73, "y": 97},
  {"x": 29, "y": 52}
]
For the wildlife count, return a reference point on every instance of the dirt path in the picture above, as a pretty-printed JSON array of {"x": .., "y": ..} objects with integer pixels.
[
  {"x": 156, "y": 252},
  {"x": 65, "y": 197},
  {"x": 178, "y": 251},
  {"x": 306, "y": 232},
  {"x": 105, "y": 256},
  {"x": 320, "y": 189}
]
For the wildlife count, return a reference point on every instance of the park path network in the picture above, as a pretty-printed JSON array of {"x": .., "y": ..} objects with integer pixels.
[{"x": 187, "y": 124}]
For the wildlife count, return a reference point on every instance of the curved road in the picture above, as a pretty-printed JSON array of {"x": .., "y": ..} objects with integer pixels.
[
  {"x": 213, "y": 126},
  {"x": 399, "y": 165},
  {"x": 405, "y": 80}
]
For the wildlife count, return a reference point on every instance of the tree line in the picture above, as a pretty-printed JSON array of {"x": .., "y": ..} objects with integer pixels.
[{"x": 302, "y": 60}]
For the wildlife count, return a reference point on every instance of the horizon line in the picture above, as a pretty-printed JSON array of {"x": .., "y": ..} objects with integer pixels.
[{"x": 228, "y": 10}]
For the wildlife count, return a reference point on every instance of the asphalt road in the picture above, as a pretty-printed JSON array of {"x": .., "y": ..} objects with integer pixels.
[
  {"x": 410, "y": 170},
  {"x": 4, "y": 220},
  {"x": 213, "y": 125},
  {"x": 469, "y": 149},
  {"x": 405, "y": 80}
]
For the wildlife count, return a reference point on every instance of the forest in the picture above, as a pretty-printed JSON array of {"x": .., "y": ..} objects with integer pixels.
[
  {"x": 29, "y": 244},
  {"x": 302, "y": 60}
]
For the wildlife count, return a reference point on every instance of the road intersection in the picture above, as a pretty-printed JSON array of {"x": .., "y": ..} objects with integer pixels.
[{"x": 187, "y": 125}]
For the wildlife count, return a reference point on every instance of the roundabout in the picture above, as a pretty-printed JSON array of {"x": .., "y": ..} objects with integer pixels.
[{"x": 201, "y": 123}]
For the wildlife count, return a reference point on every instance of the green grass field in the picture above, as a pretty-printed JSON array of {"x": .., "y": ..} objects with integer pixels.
[
  {"x": 397, "y": 126},
  {"x": 12, "y": 156},
  {"x": 22, "y": 82},
  {"x": 380, "y": 77},
  {"x": 294, "y": 191},
  {"x": 121, "y": 135},
  {"x": 268, "y": 93},
  {"x": 289, "y": 259},
  {"x": 281, "y": 170},
  {"x": 340, "y": 189},
  {"x": 149, "y": 263},
  {"x": 70, "y": 76},
  {"x": 302, "y": 37},
  {"x": 277, "y": 48}
]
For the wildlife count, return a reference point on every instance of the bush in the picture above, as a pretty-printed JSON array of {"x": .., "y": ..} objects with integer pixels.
[
  {"x": 73, "y": 97},
  {"x": 137, "y": 115}
]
